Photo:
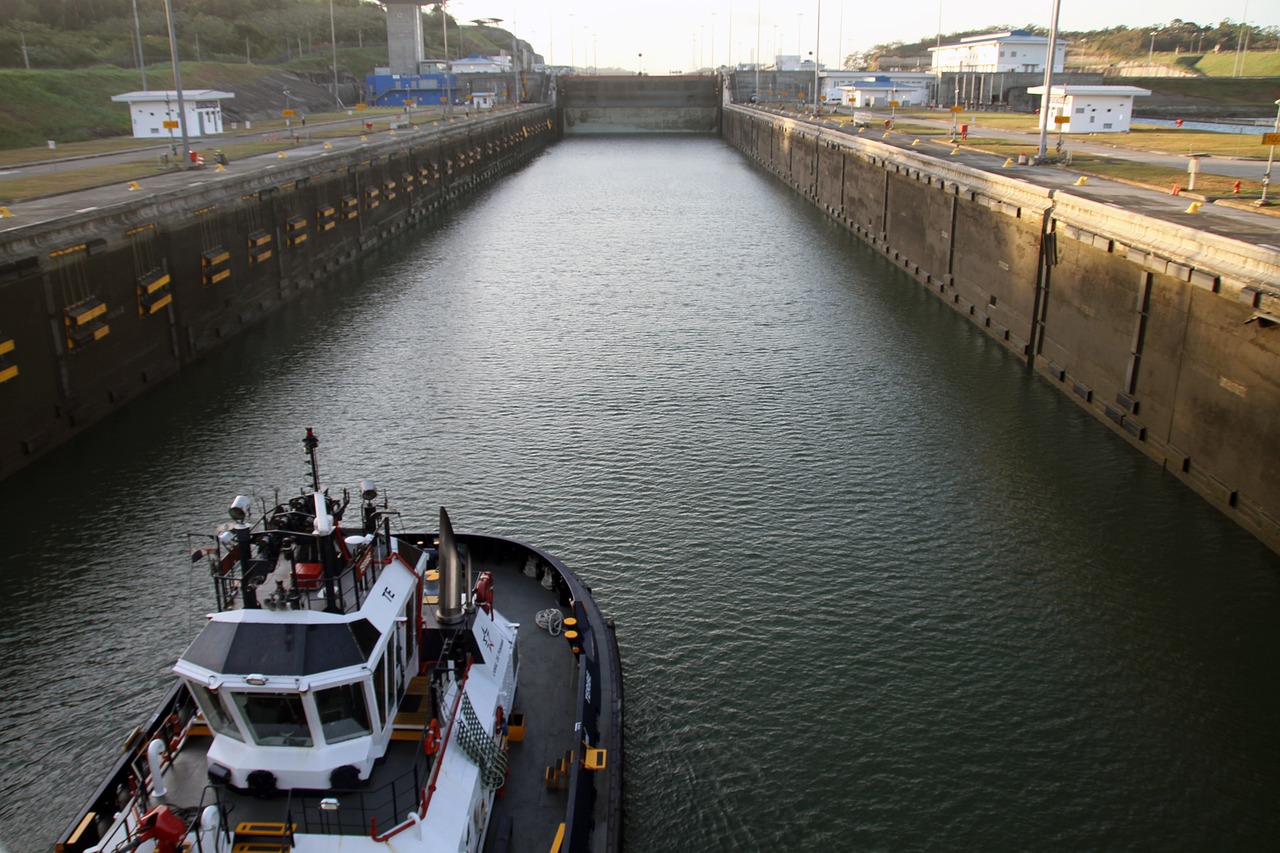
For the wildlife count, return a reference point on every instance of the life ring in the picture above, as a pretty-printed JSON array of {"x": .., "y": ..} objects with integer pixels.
[{"x": 431, "y": 745}]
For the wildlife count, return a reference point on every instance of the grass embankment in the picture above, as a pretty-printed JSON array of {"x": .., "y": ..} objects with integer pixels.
[
  {"x": 66, "y": 106},
  {"x": 264, "y": 138},
  {"x": 75, "y": 106},
  {"x": 1256, "y": 63}
]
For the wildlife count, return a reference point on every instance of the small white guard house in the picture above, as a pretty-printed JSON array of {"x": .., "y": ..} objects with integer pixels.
[
  {"x": 1091, "y": 109},
  {"x": 882, "y": 92},
  {"x": 150, "y": 110}
]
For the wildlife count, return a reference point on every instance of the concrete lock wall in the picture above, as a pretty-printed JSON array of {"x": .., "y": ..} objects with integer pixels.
[
  {"x": 100, "y": 306},
  {"x": 1166, "y": 334}
]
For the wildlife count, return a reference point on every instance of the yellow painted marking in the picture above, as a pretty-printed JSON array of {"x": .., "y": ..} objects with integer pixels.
[
  {"x": 85, "y": 316},
  {"x": 155, "y": 284}
]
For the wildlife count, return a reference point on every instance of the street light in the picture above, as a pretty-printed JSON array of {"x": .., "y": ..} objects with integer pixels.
[
  {"x": 333, "y": 42},
  {"x": 1266, "y": 179},
  {"x": 177, "y": 84},
  {"x": 817, "y": 59}
]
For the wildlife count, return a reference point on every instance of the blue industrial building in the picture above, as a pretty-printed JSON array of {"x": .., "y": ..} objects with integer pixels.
[{"x": 395, "y": 90}]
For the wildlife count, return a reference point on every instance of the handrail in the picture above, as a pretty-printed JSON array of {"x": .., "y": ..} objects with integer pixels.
[{"x": 430, "y": 790}]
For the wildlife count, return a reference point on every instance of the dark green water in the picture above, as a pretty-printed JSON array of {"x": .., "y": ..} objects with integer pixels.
[{"x": 876, "y": 586}]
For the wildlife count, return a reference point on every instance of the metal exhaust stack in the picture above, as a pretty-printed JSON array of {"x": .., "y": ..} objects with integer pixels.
[{"x": 449, "y": 610}]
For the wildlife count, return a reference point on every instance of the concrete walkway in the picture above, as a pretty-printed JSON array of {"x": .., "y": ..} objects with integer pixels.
[{"x": 1247, "y": 223}]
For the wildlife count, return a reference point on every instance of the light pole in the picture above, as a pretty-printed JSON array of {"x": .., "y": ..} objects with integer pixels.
[
  {"x": 137, "y": 28},
  {"x": 1151, "y": 54},
  {"x": 333, "y": 41},
  {"x": 177, "y": 84},
  {"x": 817, "y": 61},
  {"x": 1051, "y": 55},
  {"x": 1266, "y": 178},
  {"x": 757, "y": 91}
]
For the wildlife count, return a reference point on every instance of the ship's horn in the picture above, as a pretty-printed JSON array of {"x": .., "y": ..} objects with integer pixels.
[{"x": 449, "y": 611}]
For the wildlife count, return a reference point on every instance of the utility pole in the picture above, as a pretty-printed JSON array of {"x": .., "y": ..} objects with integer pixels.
[
  {"x": 137, "y": 29},
  {"x": 177, "y": 84},
  {"x": 1052, "y": 50},
  {"x": 333, "y": 41}
]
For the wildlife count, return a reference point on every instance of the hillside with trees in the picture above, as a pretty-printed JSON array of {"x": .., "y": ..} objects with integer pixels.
[
  {"x": 43, "y": 34},
  {"x": 1184, "y": 43}
]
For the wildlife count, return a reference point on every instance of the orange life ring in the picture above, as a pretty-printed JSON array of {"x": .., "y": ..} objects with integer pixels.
[{"x": 432, "y": 743}]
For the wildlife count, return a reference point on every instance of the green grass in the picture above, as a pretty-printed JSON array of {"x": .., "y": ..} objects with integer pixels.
[
  {"x": 66, "y": 106},
  {"x": 76, "y": 106},
  {"x": 1256, "y": 64}
]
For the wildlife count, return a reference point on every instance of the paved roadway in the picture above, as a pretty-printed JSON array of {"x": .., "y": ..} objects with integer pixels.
[
  {"x": 1248, "y": 224},
  {"x": 1231, "y": 167},
  {"x": 50, "y": 208},
  {"x": 1261, "y": 227}
]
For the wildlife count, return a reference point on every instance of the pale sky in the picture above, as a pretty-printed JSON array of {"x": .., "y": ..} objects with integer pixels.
[{"x": 686, "y": 34}]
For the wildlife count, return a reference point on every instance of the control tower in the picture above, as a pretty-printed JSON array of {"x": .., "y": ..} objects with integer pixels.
[{"x": 404, "y": 35}]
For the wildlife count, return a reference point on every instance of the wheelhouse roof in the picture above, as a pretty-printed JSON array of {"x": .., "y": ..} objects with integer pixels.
[{"x": 282, "y": 648}]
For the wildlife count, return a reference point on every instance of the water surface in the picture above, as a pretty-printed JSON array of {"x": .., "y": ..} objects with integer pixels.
[{"x": 877, "y": 587}]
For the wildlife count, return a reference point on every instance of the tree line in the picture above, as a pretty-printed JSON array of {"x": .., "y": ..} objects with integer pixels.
[{"x": 78, "y": 33}]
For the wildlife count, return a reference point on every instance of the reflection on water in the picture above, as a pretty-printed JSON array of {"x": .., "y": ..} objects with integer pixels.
[{"x": 876, "y": 585}]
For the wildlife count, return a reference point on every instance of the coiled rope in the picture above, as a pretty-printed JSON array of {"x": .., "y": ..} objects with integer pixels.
[{"x": 552, "y": 620}]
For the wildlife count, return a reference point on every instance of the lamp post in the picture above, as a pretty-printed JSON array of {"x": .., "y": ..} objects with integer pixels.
[
  {"x": 757, "y": 91},
  {"x": 1051, "y": 56},
  {"x": 817, "y": 62},
  {"x": 177, "y": 84},
  {"x": 1271, "y": 157},
  {"x": 137, "y": 28},
  {"x": 333, "y": 41}
]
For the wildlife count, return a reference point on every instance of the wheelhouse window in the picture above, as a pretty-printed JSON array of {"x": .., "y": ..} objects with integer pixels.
[
  {"x": 380, "y": 688},
  {"x": 275, "y": 719},
  {"x": 343, "y": 712},
  {"x": 215, "y": 713}
]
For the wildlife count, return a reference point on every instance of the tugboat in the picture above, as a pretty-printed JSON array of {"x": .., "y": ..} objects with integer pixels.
[{"x": 360, "y": 689}]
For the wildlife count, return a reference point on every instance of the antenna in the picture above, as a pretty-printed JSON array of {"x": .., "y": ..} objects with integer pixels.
[{"x": 311, "y": 443}]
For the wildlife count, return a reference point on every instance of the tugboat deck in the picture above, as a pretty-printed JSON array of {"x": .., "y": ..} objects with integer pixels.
[{"x": 525, "y": 813}]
